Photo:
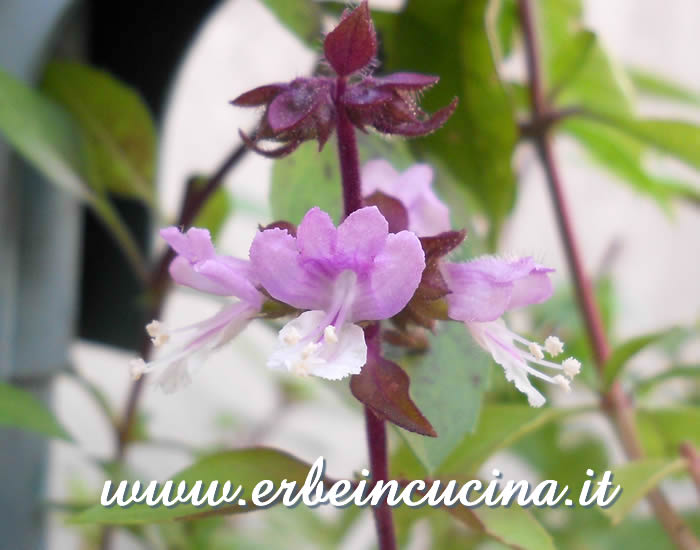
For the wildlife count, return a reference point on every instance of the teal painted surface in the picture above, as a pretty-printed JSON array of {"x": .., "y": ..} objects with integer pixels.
[{"x": 39, "y": 260}]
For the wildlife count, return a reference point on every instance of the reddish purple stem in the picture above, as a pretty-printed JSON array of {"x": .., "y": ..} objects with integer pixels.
[
  {"x": 376, "y": 427},
  {"x": 349, "y": 157}
]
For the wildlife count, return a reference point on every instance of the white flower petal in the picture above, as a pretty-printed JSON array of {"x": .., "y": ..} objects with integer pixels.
[{"x": 306, "y": 348}]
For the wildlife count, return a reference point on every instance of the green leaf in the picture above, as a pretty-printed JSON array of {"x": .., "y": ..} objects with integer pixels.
[
  {"x": 639, "y": 534},
  {"x": 304, "y": 180},
  {"x": 301, "y": 17},
  {"x": 216, "y": 210},
  {"x": 654, "y": 85},
  {"x": 625, "y": 351},
  {"x": 48, "y": 138},
  {"x": 558, "y": 21},
  {"x": 515, "y": 527},
  {"x": 447, "y": 385},
  {"x": 623, "y": 155},
  {"x": 568, "y": 60},
  {"x": 502, "y": 26},
  {"x": 245, "y": 467},
  {"x": 663, "y": 430},
  {"x": 20, "y": 409},
  {"x": 118, "y": 129},
  {"x": 676, "y": 138},
  {"x": 43, "y": 134},
  {"x": 637, "y": 479},
  {"x": 677, "y": 371},
  {"x": 499, "y": 426},
  {"x": 563, "y": 451},
  {"x": 477, "y": 143},
  {"x": 578, "y": 70}
]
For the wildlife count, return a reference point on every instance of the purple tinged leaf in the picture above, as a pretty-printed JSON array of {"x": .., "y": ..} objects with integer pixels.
[
  {"x": 384, "y": 387},
  {"x": 353, "y": 43},
  {"x": 366, "y": 96},
  {"x": 301, "y": 98},
  {"x": 286, "y": 112},
  {"x": 418, "y": 128},
  {"x": 406, "y": 81},
  {"x": 281, "y": 224},
  {"x": 437, "y": 246},
  {"x": 392, "y": 209},
  {"x": 259, "y": 96}
]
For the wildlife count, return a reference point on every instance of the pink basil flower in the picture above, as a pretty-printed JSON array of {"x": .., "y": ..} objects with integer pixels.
[
  {"x": 198, "y": 266},
  {"x": 355, "y": 272},
  {"x": 481, "y": 291},
  {"x": 427, "y": 214}
]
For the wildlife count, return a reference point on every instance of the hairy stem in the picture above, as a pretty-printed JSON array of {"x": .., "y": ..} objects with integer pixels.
[
  {"x": 615, "y": 402},
  {"x": 349, "y": 157},
  {"x": 375, "y": 426}
]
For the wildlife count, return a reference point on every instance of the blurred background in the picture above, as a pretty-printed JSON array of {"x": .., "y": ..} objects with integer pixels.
[{"x": 66, "y": 292}]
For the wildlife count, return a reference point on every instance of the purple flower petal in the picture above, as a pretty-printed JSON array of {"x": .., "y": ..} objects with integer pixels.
[
  {"x": 395, "y": 276},
  {"x": 316, "y": 235},
  {"x": 482, "y": 290},
  {"x": 427, "y": 214},
  {"x": 198, "y": 266},
  {"x": 499, "y": 270},
  {"x": 362, "y": 235},
  {"x": 195, "y": 245},
  {"x": 533, "y": 289},
  {"x": 378, "y": 175},
  {"x": 279, "y": 268}
]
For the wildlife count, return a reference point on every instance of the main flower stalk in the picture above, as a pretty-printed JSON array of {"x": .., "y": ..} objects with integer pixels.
[
  {"x": 375, "y": 426},
  {"x": 348, "y": 155}
]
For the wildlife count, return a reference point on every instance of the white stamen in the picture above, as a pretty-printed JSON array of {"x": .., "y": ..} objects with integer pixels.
[
  {"x": 329, "y": 335},
  {"x": 571, "y": 367},
  {"x": 153, "y": 328},
  {"x": 291, "y": 336},
  {"x": 562, "y": 381},
  {"x": 553, "y": 345},
  {"x": 158, "y": 333},
  {"x": 138, "y": 367},
  {"x": 536, "y": 350},
  {"x": 309, "y": 350}
]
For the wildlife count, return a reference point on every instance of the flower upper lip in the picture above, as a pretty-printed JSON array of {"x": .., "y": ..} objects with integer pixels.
[{"x": 302, "y": 271}]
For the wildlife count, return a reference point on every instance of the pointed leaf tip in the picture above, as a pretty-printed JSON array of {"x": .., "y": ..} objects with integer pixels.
[
  {"x": 384, "y": 387},
  {"x": 353, "y": 43}
]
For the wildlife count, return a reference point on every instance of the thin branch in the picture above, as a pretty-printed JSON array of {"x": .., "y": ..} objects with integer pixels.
[
  {"x": 689, "y": 451},
  {"x": 192, "y": 203},
  {"x": 615, "y": 402}
]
